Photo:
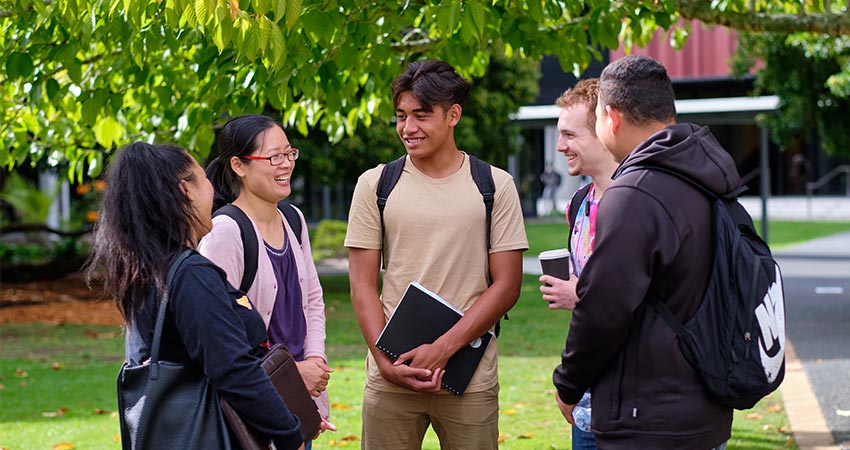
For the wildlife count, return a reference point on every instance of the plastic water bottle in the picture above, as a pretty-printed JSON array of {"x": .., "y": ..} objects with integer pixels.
[{"x": 581, "y": 413}]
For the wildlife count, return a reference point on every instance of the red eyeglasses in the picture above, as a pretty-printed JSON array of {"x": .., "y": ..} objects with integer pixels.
[{"x": 276, "y": 159}]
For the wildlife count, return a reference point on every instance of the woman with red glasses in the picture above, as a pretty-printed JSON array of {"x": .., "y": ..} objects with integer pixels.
[{"x": 253, "y": 172}]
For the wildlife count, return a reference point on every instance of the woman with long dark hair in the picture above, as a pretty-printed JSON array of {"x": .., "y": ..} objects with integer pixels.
[
  {"x": 158, "y": 204},
  {"x": 253, "y": 171}
]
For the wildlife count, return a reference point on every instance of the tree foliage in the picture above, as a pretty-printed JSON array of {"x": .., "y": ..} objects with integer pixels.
[
  {"x": 84, "y": 76},
  {"x": 805, "y": 72},
  {"x": 485, "y": 130}
]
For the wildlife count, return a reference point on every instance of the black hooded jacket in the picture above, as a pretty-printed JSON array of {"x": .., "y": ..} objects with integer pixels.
[{"x": 653, "y": 238}]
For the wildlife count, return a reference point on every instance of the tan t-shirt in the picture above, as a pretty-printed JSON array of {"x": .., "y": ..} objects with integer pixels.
[{"x": 436, "y": 235}]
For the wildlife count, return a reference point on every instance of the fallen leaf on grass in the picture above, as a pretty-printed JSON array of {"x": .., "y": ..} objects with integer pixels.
[
  {"x": 98, "y": 411},
  {"x": 349, "y": 438},
  {"x": 528, "y": 435},
  {"x": 20, "y": 373},
  {"x": 2, "y": 386},
  {"x": 753, "y": 416},
  {"x": 96, "y": 335},
  {"x": 510, "y": 412},
  {"x": 340, "y": 406},
  {"x": 56, "y": 413},
  {"x": 502, "y": 438},
  {"x": 58, "y": 366},
  {"x": 63, "y": 446},
  {"x": 767, "y": 427},
  {"x": 774, "y": 408},
  {"x": 117, "y": 438}
]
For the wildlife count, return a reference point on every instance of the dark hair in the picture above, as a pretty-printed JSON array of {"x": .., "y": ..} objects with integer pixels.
[
  {"x": 583, "y": 93},
  {"x": 432, "y": 82},
  {"x": 144, "y": 222},
  {"x": 638, "y": 87},
  {"x": 237, "y": 138}
]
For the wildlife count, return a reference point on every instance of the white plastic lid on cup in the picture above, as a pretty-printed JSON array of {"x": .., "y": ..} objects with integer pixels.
[{"x": 554, "y": 254}]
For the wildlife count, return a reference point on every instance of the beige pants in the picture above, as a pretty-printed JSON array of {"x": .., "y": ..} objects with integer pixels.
[{"x": 393, "y": 421}]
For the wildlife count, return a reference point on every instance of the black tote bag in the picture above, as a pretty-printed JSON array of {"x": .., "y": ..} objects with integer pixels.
[{"x": 166, "y": 405}]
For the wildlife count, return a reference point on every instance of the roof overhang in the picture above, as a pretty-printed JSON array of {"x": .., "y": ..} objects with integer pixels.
[{"x": 705, "y": 111}]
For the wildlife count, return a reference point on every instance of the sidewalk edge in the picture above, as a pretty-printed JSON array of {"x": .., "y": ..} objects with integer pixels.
[{"x": 801, "y": 406}]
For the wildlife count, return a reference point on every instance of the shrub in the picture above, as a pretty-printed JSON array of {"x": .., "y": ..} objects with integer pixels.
[{"x": 328, "y": 239}]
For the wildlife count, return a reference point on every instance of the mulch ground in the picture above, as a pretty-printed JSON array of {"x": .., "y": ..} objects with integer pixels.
[{"x": 66, "y": 300}]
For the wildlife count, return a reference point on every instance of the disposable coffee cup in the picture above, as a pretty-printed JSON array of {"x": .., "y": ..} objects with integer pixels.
[{"x": 556, "y": 263}]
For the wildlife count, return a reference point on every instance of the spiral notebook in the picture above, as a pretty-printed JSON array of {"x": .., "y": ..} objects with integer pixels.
[{"x": 420, "y": 318}]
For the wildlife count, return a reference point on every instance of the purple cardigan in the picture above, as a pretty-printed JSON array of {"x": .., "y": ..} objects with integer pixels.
[{"x": 223, "y": 245}]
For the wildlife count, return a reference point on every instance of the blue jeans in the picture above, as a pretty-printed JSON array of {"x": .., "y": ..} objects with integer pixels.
[
  {"x": 583, "y": 440},
  {"x": 308, "y": 445}
]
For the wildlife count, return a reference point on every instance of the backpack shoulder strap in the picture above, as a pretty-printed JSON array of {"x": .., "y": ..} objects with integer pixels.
[
  {"x": 249, "y": 243},
  {"x": 575, "y": 204},
  {"x": 292, "y": 218},
  {"x": 482, "y": 173},
  {"x": 389, "y": 177}
]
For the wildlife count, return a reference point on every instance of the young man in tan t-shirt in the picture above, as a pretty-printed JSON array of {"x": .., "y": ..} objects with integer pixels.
[{"x": 435, "y": 232}]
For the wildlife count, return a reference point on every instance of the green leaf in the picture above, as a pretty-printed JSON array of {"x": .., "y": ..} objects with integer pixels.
[
  {"x": 95, "y": 164},
  {"x": 278, "y": 48},
  {"x": 19, "y": 65},
  {"x": 51, "y": 87},
  {"x": 108, "y": 132},
  {"x": 90, "y": 111},
  {"x": 478, "y": 15},
  {"x": 447, "y": 17},
  {"x": 293, "y": 12}
]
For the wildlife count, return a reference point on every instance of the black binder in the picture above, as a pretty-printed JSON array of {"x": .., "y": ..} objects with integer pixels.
[{"x": 420, "y": 318}]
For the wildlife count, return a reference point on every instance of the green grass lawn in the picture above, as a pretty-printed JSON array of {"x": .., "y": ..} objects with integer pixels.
[
  {"x": 552, "y": 233},
  {"x": 57, "y": 383}
]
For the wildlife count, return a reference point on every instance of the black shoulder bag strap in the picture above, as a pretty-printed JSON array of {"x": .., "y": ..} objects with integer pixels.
[
  {"x": 249, "y": 243},
  {"x": 575, "y": 204},
  {"x": 160, "y": 314}
]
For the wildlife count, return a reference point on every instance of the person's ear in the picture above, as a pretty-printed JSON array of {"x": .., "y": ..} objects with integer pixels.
[
  {"x": 184, "y": 188},
  {"x": 455, "y": 111},
  {"x": 615, "y": 116},
  {"x": 238, "y": 166}
]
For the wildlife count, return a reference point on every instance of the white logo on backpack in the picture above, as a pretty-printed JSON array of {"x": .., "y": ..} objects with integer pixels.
[{"x": 770, "y": 315}]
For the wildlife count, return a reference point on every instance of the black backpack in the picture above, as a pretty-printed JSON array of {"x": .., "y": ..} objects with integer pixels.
[
  {"x": 736, "y": 339},
  {"x": 249, "y": 238},
  {"x": 482, "y": 174}
]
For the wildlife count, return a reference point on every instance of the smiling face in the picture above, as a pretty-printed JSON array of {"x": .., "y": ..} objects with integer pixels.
[
  {"x": 425, "y": 133},
  {"x": 578, "y": 143},
  {"x": 258, "y": 177}
]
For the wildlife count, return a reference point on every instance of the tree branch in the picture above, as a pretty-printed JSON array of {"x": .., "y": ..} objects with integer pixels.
[{"x": 822, "y": 23}]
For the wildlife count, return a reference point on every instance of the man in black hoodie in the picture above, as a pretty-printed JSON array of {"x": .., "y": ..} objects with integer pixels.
[{"x": 653, "y": 239}]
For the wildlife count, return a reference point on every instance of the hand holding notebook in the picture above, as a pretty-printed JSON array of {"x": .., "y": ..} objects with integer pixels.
[{"x": 420, "y": 318}]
